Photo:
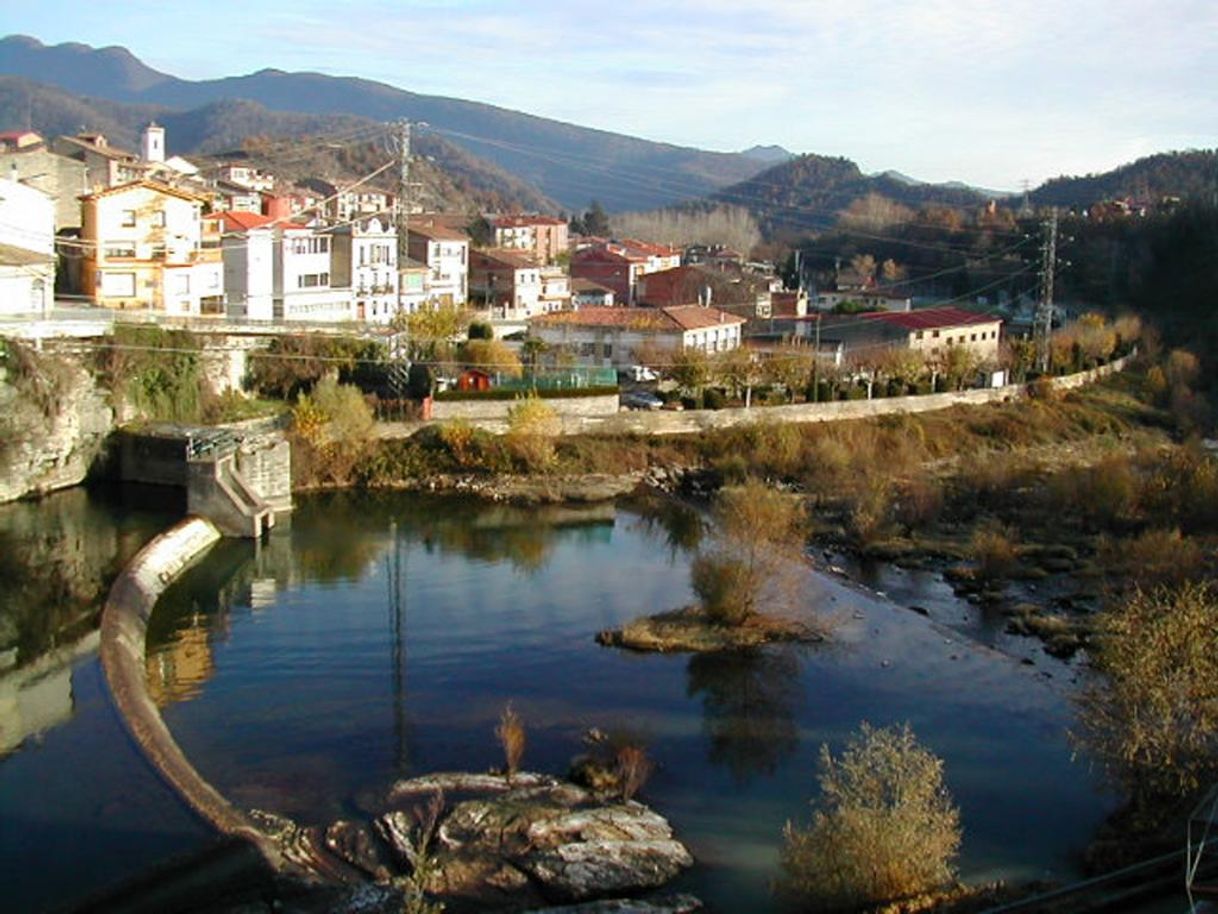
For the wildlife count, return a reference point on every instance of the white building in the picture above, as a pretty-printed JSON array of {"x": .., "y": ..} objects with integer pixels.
[
  {"x": 618, "y": 337},
  {"x": 364, "y": 258},
  {"x": 303, "y": 281},
  {"x": 27, "y": 249},
  {"x": 249, "y": 266},
  {"x": 445, "y": 251}
]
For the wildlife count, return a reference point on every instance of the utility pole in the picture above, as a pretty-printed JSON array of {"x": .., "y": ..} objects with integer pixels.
[
  {"x": 402, "y": 210},
  {"x": 816, "y": 363},
  {"x": 1042, "y": 327}
]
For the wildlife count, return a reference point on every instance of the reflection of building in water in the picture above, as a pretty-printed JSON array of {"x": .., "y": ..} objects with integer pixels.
[
  {"x": 37, "y": 697},
  {"x": 263, "y": 592},
  {"x": 178, "y": 669}
]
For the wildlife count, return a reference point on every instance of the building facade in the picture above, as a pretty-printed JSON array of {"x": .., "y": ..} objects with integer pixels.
[{"x": 148, "y": 246}]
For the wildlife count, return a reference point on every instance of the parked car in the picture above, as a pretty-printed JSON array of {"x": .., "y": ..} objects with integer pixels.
[
  {"x": 637, "y": 373},
  {"x": 641, "y": 399}
]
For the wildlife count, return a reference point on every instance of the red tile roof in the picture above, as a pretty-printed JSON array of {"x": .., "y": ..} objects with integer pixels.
[
  {"x": 242, "y": 222},
  {"x": 932, "y": 318}
]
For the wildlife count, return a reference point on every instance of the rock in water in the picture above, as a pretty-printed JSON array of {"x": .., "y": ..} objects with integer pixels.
[{"x": 541, "y": 841}]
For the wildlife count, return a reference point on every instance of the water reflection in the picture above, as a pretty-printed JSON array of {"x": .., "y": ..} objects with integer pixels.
[
  {"x": 683, "y": 526},
  {"x": 58, "y": 556},
  {"x": 749, "y": 701}
]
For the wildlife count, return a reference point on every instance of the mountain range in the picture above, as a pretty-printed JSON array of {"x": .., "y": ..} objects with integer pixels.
[
  {"x": 489, "y": 156},
  {"x": 570, "y": 164}
]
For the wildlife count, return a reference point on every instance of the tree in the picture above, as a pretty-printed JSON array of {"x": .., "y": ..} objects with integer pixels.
[
  {"x": 738, "y": 370},
  {"x": 431, "y": 329},
  {"x": 788, "y": 367},
  {"x": 864, "y": 266},
  {"x": 891, "y": 271},
  {"x": 884, "y": 827},
  {"x": 690, "y": 369},
  {"x": 491, "y": 355},
  {"x": 1154, "y": 721},
  {"x": 752, "y": 555},
  {"x": 596, "y": 221}
]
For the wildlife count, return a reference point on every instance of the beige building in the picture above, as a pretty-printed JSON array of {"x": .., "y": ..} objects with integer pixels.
[{"x": 148, "y": 246}]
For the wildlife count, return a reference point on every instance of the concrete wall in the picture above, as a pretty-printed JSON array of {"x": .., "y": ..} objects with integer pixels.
[
  {"x": 497, "y": 410},
  {"x": 595, "y": 420}
]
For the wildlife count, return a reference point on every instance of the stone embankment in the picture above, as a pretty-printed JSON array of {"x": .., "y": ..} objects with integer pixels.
[{"x": 51, "y": 446}]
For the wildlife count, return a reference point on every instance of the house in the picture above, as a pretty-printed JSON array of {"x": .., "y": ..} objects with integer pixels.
[
  {"x": 27, "y": 249},
  {"x": 932, "y": 331},
  {"x": 105, "y": 165},
  {"x": 555, "y": 289},
  {"x": 342, "y": 203},
  {"x": 505, "y": 283},
  {"x": 303, "y": 281},
  {"x": 236, "y": 197},
  {"x": 612, "y": 268},
  {"x": 246, "y": 176},
  {"x": 146, "y": 245},
  {"x": 412, "y": 286},
  {"x": 731, "y": 290},
  {"x": 874, "y": 299},
  {"x": 248, "y": 249},
  {"x": 61, "y": 178},
  {"x": 364, "y": 258},
  {"x": 588, "y": 294},
  {"x": 543, "y": 237},
  {"x": 619, "y": 337},
  {"x": 445, "y": 251},
  {"x": 19, "y": 140},
  {"x": 621, "y": 264}
]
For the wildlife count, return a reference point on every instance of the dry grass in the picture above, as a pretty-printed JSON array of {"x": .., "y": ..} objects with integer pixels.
[
  {"x": 511, "y": 736},
  {"x": 633, "y": 768}
]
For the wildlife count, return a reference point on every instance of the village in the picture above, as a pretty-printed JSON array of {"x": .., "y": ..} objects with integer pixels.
[{"x": 145, "y": 236}]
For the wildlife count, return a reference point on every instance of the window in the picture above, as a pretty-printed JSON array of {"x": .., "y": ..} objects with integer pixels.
[
  {"x": 115, "y": 285},
  {"x": 181, "y": 283},
  {"x": 120, "y": 250},
  {"x": 973, "y": 338},
  {"x": 158, "y": 218},
  {"x": 918, "y": 335},
  {"x": 312, "y": 280},
  {"x": 935, "y": 334},
  {"x": 128, "y": 218}
]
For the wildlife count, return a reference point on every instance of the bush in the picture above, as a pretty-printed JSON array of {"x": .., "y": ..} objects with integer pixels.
[
  {"x": 723, "y": 586},
  {"x": 992, "y": 548},
  {"x": 532, "y": 425},
  {"x": 713, "y": 398},
  {"x": 1154, "y": 723},
  {"x": 753, "y": 555},
  {"x": 884, "y": 828}
]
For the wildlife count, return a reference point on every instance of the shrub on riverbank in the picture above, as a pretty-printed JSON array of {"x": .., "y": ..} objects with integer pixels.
[{"x": 884, "y": 827}]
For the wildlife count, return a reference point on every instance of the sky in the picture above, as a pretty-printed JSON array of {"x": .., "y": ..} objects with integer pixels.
[{"x": 990, "y": 93}]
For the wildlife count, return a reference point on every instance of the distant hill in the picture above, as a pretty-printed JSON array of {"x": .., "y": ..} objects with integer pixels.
[
  {"x": 808, "y": 192},
  {"x": 452, "y": 178},
  {"x": 570, "y": 164},
  {"x": 771, "y": 155},
  {"x": 1189, "y": 175}
]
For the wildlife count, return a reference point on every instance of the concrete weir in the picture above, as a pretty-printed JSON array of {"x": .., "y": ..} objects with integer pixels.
[{"x": 123, "y": 645}]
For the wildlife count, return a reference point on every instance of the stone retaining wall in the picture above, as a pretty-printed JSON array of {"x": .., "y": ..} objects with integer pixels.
[
  {"x": 123, "y": 645},
  {"x": 497, "y": 410}
]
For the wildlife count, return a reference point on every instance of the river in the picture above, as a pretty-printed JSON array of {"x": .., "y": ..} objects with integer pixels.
[{"x": 381, "y": 636}]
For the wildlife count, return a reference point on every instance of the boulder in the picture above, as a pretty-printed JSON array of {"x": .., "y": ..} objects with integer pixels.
[{"x": 538, "y": 840}]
